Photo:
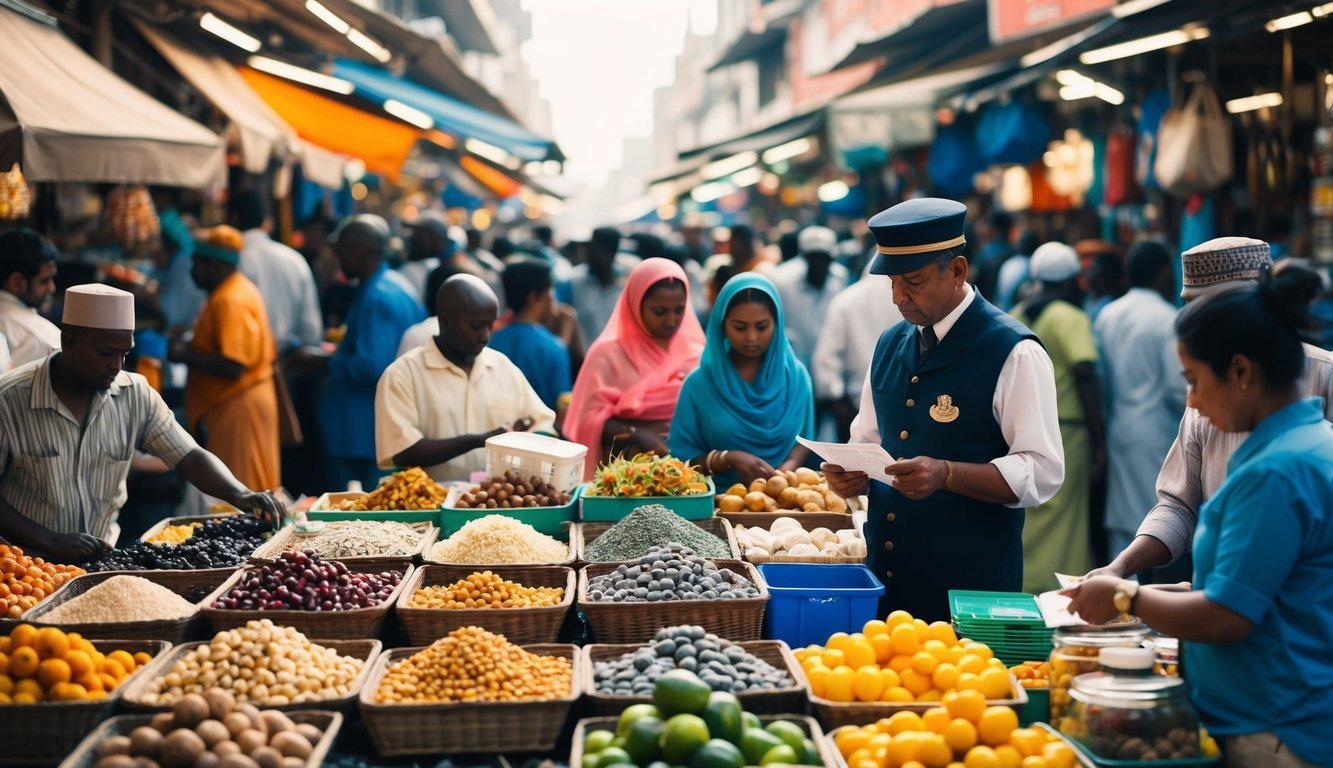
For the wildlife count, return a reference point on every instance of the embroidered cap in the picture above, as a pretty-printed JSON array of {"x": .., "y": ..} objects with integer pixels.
[
  {"x": 99, "y": 306},
  {"x": 1221, "y": 263},
  {"x": 1054, "y": 263},
  {"x": 912, "y": 233}
]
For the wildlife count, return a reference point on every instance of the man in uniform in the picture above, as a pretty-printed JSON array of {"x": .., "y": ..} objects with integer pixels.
[
  {"x": 69, "y": 426},
  {"x": 964, "y": 397}
]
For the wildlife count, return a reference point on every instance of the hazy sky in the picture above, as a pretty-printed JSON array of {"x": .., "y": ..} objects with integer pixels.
[{"x": 598, "y": 62}]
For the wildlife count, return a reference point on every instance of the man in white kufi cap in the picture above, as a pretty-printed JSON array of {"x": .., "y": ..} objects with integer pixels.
[
  {"x": 1196, "y": 465},
  {"x": 69, "y": 426}
]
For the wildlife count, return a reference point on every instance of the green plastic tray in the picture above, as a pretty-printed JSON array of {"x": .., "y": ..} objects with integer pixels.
[
  {"x": 1086, "y": 757},
  {"x": 610, "y": 509},
  {"x": 1038, "y": 708},
  {"x": 547, "y": 520},
  {"x": 996, "y": 608}
]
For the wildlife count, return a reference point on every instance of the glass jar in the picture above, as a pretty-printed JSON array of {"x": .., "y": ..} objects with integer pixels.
[
  {"x": 1167, "y": 651},
  {"x": 1074, "y": 652},
  {"x": 1137, "y": 719}
]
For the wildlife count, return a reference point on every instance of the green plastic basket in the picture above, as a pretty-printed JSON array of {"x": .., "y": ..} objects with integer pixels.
[
  {"x": 614, "y": 508},
  {"x": 974, "y": 609},
  {"x": 1038, "y": 708},
  {"x": 548, "y": 520}
]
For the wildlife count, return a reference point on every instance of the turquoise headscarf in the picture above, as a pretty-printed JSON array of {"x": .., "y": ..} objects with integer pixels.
[{"x": 765, "y": 415}]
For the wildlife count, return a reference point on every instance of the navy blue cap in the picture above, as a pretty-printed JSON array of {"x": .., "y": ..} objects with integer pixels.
[{"x": 912, "y": 233}]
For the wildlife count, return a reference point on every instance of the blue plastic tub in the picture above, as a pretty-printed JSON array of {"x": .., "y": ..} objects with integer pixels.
[{"x": 810, "y": 602}]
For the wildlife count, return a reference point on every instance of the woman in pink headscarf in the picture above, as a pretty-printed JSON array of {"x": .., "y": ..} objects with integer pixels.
[{"x": 626, "y": 390}]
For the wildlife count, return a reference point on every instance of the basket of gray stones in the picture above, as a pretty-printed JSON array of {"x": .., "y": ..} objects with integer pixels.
[{"x": 668, "y": 586}]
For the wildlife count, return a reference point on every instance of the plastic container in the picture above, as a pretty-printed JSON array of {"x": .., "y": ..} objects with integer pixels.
[
  {"x": 1133, "y": 715},
  {"x": 604, "y": 509},
  {"x": 1075, "y": 652},
  {"x": 1009, "y": 622},
  {"x": 558, "y": 463},
  {"x": 811, "y": 602},
  {"x": 548, "y": 520},
  {"x": 1167, "y": 656}
]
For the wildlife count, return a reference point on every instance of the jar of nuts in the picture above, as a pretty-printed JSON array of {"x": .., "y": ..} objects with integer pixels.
[
  {"x": 1133, "y": 717},
  {"x": 1167, "y": 651},
  {"x": 1074, "y": 652}
]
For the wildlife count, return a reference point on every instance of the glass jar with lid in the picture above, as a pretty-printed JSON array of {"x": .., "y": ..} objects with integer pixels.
[
  {"x": 1167, "y": 651},
  {"x": 1139, "y": 717},
  {"x": 1074, "y": 652}
]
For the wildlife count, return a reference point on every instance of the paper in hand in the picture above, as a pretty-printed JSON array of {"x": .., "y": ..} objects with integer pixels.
[
  {"x": 870, "y": 458},
  {"x": 1066, "y": 581},
  {"x": 1055, "y": 610}
]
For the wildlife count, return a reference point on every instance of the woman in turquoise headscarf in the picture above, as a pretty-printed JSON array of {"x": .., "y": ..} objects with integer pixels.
[{"x": 739, "y": 414}]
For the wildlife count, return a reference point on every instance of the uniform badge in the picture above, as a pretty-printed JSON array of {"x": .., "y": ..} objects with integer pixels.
[{"x": 944, "y": 411}]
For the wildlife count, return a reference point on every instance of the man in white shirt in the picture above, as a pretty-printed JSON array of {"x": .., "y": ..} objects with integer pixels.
[
  {"x": 436, "y": 406},
  {"x": 856, "y": 318},
  {"x": 27, "y": 280},
  {"x": 281, "y": 274},
  {"x": 964, "y": 397},
  {"x": 807, "y": 285}
]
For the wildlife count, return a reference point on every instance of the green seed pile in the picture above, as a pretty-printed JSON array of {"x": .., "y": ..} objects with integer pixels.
[{"x": 649, "y": 526}]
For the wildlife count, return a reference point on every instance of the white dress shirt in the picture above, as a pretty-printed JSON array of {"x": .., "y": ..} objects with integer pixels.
[
  {"x": 418, "y": 334},
  {"x": 288, "y": 288},
  {"x": 1024, "y": 406},
  {"x": 803, "y": 306},
  {"x": 30, "y": 336},
  {"x": 856, "y": 318},
  {"x": 6, "y": 362}
]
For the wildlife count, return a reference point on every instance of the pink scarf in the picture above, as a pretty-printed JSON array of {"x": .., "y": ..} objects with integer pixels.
[{"x": 626, "y": 374}]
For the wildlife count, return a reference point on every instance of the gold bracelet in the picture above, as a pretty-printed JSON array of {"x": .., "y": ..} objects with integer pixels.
[
  {"x": 948, "y": 478},
  {"x": 708, "y": 462},
  {"x": 723, "y": 457}
]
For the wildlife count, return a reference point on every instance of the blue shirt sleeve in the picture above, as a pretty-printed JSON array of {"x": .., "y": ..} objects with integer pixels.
[
  {"x": 379, "y": 325},
  {"x": 560, "y": 379},
  {"x": 687, "y": 440},
  {"x": 1258, "y": 542}
]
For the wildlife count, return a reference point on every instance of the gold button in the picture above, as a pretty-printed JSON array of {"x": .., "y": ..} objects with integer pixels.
[
  {"x": 888, "y": 574},
  {"x": 902, "y": 435},
  {"x": 888, "y": 546},
  {"x": 916, "y": 379},
  {"x": 911, "y": 403},
  {"x": 891, "y": 517}
]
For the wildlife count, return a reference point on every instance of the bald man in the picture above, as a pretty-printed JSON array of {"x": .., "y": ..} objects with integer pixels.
[
  {"x": 438, "y": 404},
  {"x": 380, "y": 313}
]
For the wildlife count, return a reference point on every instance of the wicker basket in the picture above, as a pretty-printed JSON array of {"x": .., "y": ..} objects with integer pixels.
[
  {"x": 737, "y": 619},
  {"x": 828, "y": 756},
  {"x": 85, "y": 755},
  {"x": 792, "y": 700},
  {"x": 271, "y": 550},
  {"x": 519, "y": 625},
  {"x": 41, "y": 734},
  {"x": 132, "y": 699},
  {"x": 355, "y": 624},
  {"x": 809, "y": 521},
  {"x": 169, "y": 630},
  {"x": 461, "y": 728},
  {"x": 588, "y": 533},
  {"x": 572, "y": 536},
  {"x": 832, "y": 714},
  {"x": 162, "y": 524}
]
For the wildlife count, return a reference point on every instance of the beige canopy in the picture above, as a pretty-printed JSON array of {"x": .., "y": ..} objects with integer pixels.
[{"x": 66, "y": 117}]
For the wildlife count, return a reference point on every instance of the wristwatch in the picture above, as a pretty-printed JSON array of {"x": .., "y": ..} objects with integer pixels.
[{"x": 1125, "y": 592}]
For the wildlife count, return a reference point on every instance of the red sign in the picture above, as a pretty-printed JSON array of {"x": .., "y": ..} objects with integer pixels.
[{"x": 1011, "y": 19}]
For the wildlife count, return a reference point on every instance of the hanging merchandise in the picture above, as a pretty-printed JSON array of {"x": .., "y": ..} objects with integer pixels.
[
  {"x": 1120, "y": 187},
  {"x": 15, "y": 200},
  {"x": 1011, "y": 133},
  {"x": 131, "y": 217},
  {"x": 1045, "y": 197},
  {"x": 1069, "y": 165},
  {"x": 1198, "y": 222},
  {"x": 953, "y": 161},
  {"x": 1015, "y": 190},
  {"x": 1194, "y": 146},
  {"x": 1151, "y": 113}
]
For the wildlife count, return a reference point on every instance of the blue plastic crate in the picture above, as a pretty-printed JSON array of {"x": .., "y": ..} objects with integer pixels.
[{"x": 810, "y": 602}]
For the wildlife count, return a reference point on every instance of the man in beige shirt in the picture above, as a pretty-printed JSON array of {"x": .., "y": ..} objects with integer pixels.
[
  {"x": 27, "y": 280},
  {"x": 436, "y": 406}
]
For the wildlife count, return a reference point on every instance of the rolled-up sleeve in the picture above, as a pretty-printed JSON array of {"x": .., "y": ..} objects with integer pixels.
[
  {"x": 1179, "y": 491},
  {"x": 1025, "y": 407}
]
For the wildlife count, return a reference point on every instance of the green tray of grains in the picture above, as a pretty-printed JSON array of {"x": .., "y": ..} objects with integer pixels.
[
  {"x": 654, "y": 525},
  {"x": 612, "y": 508},
  {"x": 117, "y": 606},
  {"x": 501, "y": 540}
]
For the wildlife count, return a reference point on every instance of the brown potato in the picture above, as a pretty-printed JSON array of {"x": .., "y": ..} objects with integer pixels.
[
  {"x": 758, "y": 486},
  {"x": 754, "y": 501},
  {"x": 788, "y": 498},
  {"x": 736, "y": 490},
  {"x": 834, "y": 503},
  {"x": 776, "y": 485},
  {"x": 770, "y": 504},
  {"x": 731, "y": 503},
  {"x": 807, "y": 497},
  {"x": 791, "y": 477},
  {"x": 807, "y": 476},
  {"x": 812, "y": 508}
]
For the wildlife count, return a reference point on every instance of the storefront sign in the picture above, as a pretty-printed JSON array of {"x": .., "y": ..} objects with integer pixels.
[{"x": 1012, "y": 19}]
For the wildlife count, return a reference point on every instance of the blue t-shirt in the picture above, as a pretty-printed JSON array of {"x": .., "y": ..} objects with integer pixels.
[
  {"x": 1264, "y": 549},
  {"x": 540, "y": 355}
]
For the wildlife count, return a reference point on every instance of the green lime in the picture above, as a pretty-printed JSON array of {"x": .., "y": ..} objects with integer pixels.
[
  {"x": 811, "y": 753},
  {"x": 724, "y": 717},
  {"x": 680, "y": 692},
  {"x": 634, "y": 712},
  {"x": 612, "y": 755},
  {"x": 598, "y": 741},
  {"x": 641, "y": 740},
  {"x": 756, "y": 742},
  {"x": 682, "y": 737},
  {"x": 718, "y": 754},
  {"x": 790, "y": 733},
  {"x": 751, "y": 720},
  {"x": 780, "y": 754}
]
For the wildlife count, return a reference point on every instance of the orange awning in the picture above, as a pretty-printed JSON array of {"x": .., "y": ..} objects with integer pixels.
[
  {"x": 380, "y": 142},
  {"x": 498, "y": 183}
]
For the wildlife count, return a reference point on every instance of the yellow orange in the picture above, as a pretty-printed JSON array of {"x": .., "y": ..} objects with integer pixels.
[
  {"x": 883, "y": 645},
  {"x": 1033, "y": 762},
  {"x": 898, "y": 617},
  {"x": 945, "y": 677},
  {"x": 1058, "y": 755},
  {"x": 970, "y": 682},
  {"x": 972, "y": 663},
  {"x": 969, "y": 705},
  {"x": 1028, "y": 741},
  {"x": 51, "y": 643},
  {"x": 1009, "y": 757},
  {"x": 915, "y": 682},
  {"x": 833, "y": 658},
  {"x": 931, "y": 696},
  {"x": 141, "y": 658},
  {"x": 818, "y": 677},
  {"x": 937, "y": 649},
  {"x": 851, "y": 739},
  {"x": 995, "y": 683},
  {"x": 924, "y": 663},
  {"x": 900, "y": 664},
  {"x": 867, "y": 684},
  {"x": 52, "y": 671},
  {"x": 943, "y": 631},
  {"x": 29, "y": 687},
  {"x": 23, "y": 662},
  {"x": 22, "y": 635},
  {"x": 979, "y": 649},
  {"x": 890, "y": 677},
  {"x": 840, "y": 682},
  {"x": 904, "y": 748},
  {"x": 859, "y": 653},
  {"x": 981, "y": 757},
  {"x": 935, "y": 719},
  {"x": 897, "y": 694},
  {"x": 6, "y": 684},
  {"x": 960, "y": 735},
  {"x": 905, "y": 640},
  {"x": 837, "y": 641},
  {"x": 80, "y": 663},
  {"x": 933, "y": 752},
  {"x": 124, "y": 659},
  {"x": 922, "y": 630},
  {"x": 901, "y": 722},
  {"x": 875, "y": 627},
  {"x": 995, "y": 725}
]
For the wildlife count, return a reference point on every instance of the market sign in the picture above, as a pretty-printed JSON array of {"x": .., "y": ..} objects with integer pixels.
[{"x": 1013, "y": 19}]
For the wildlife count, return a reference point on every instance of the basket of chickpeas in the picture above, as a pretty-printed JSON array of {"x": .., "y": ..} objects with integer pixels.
[
  {"x": 527, "y": 604},
  {"x": 471, "y": 691}
]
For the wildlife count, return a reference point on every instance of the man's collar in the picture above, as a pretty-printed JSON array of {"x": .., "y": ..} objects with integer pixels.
[
  {"x": 434, "y": 358},
  {"x": 44, "y": 395},
  {"x": 943, "y": 327},
  {"x": 8, "y": 298}
]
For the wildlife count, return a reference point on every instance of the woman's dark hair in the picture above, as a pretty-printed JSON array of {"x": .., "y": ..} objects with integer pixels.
[
  {"x": 753, "y": 296},
  {"x": 665, "y": 284},
  {"x": 1263, "y": 322}
]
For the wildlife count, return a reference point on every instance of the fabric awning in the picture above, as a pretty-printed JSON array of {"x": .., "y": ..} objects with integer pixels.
[
  {"x": 764, "y": 138},
  {"x": 921, "y": 34},
  {"x": 66, "y": 117},
  {"x": 749, "y": 44},
  {"x": 379, "y": 142},
  {"x": 449, "y": 114},
  {"x": 466, "y": 22}
]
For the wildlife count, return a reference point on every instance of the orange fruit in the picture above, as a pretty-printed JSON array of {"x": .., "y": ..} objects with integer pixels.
[
  {"x": 838, "y": 641},
  {"x": 113, "y": 668},
  {"x": 924, "y": 663},
  {"x": 1028, "y": 741},
  {"x": 80, "y": 663},
  {"x": 960, "y": 735},
  {"x": 969, "y": 705},
  {"x": 78, "y": 643},
  {"x": 29, "y": 687},
  {"x": 898, "y": 617},
  {"x": 995, "y": 684},
  {"x": 840, "y": 684},
  {"x": 905, "y": 640},
  {"x": 915, "y": 682},
  {"x": 875, "y": 627},
  {"x": 932, "y": 696},
  {"x": 124, "y": 659},
  {"x": 1033, "y": 762},
  {"x": 1009, "y": 757},
  {"x": 25, "y": 698},
  {"x": 904, "y": 748},
  {"x": 973, "y": 663},
  {"x": 867, "y": 685},
  {"x": 818, "y": 676},
  {"x": 970, "y": 682},
  {"x": 936, "y": 719},
  {"x": 979, "y": 649},
  {"x": 1058, "y": 755},
  {"x": 890, "y": 678},
  {"x": 902, "y": 722},
  {"x": 834, "y": 658},
  {"x": 851, "y": 739},
  {"x": 900, "y": 664},
  {"x": 981, "y": 757},
  {"x": 109, "y": 683},
  {"x": 91, "y": 682},
  {"x": 937, "y": 649},
  {"x": 6, "y": 684},
  {"x": 933, "y": 752},
  {"x": 883, "y": 645},
  {"x": 897, "y": 694},
  {"x": 23, "y": 634},
  {"x": 943, "y": 631},
  {"x": 945, "y": 677},
  {"x": 4, "y": 663},
  {"x": 859, "y": 653},
  {"x": 922, "y": 630},
  {"x": 52, "y": 671},
  {"x": 51, "y": 643},
  {"x": 23, "y": 662},
  {"x": 996, "y": 724}
]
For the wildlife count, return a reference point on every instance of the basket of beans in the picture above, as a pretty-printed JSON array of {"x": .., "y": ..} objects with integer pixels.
[
  {"x": 529, "y": 499},
  {"x": 324, "y": 599},
  {"x": 526, "y": 604}
]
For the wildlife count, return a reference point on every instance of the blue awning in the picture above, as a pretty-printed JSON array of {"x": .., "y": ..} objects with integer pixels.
[{"x": 450, "y": 115}]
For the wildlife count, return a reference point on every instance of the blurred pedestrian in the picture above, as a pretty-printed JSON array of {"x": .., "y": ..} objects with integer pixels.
[
  {"x": 995, "y": 235},
  {"x": 807, "y": 285},
  {"x": 1014, "y": 273},
  {"x": 856, "y": 318},
  {"x": 525, "y": 340},
  {"x": 595, "y": 286},
  {"x": 428, "y": 246},
  {"x": 280, "y": 273},
  {"x": 27, "y": 280}
]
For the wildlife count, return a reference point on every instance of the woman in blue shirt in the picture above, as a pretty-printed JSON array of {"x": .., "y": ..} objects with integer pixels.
[
  {"x": 739, "y": 414},
  {"x": 1259, "y": 623}
]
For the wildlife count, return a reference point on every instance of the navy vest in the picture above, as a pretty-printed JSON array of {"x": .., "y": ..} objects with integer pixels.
[{"x": 922, "y": 549}]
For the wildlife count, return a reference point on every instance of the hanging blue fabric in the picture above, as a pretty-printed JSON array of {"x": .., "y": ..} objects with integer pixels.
[
  {"x": 1012, "y": 133},
  {"x": 953, "y": 161}
]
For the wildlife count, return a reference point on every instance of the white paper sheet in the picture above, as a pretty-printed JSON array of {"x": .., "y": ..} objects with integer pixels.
[
  {"x": 1066, "y": 581},
  {"x": 870, "y": 458},
  {"x": 1055, "y": 610}
]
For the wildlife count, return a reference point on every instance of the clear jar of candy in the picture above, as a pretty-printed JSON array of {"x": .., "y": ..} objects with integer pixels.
[
  {"x": 1138, "y": 718},
  {"x": 1074, "y": 652},
  {"x": 1167, "y": 650}
]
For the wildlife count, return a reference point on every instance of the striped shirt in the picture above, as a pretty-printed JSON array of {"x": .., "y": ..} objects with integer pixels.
[
  {"x": 69, "y": 477},
  {"x": 1196, "y": 466}
]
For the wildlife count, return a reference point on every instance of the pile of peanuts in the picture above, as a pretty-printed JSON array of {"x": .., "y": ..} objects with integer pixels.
[
  {"x": 174, "y": 534},
  {"x": 260, "y": 663},
  {"x": 26, "y": 581},
  {"x": 486, "y": 590},
  {"x": 471, "y": 664}
]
